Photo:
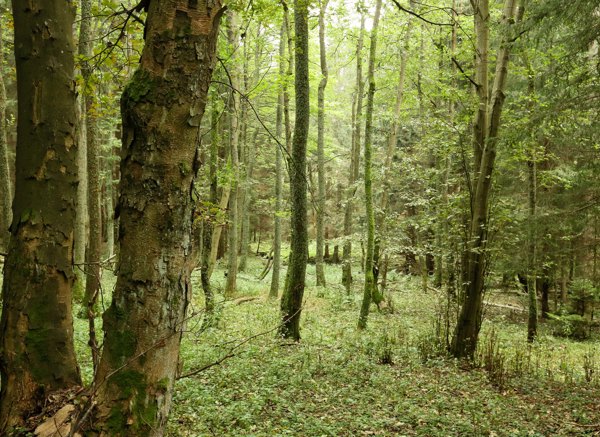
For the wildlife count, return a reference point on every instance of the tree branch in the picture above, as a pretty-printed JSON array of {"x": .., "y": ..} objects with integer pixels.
[{"x": 419, "y": 16}]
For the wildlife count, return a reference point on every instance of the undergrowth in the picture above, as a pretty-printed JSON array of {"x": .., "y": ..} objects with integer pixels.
[{"x": 393, "y": 379}]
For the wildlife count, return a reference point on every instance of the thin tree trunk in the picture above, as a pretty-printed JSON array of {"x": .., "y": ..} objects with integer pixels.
[
  {"x": 162, "y": 108},
  {"x": 287, "y": 118},
  {"x": 92, "y": 270},
  {"x": 389, "y": 154},
  {"x": 218, "y": 230},
  {"x": 234, "y": 135},
  {"x": 370, "y": 285},
  {"x": 81, "y": 224},
  {"x": 209, "y": 224},
  {"x": 36, "y": 328},
  {"x": 291, "y": 301},
  {"x": 354, "y": 161},
  {"x": 5, "y": 181},
  {"x": 321, "y": 147},
  {"x": 532, "y": 321},
  {"x": 248, "y": 151},
  {"x": 274, "y": 291}
]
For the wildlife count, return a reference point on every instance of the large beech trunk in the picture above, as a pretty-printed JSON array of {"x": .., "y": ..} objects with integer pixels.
[
  {"x": 162, "y": 108},
  {"x": 37, "y": 353}
]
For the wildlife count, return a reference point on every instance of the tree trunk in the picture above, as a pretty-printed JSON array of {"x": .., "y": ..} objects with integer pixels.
[
  {"x": 485, "y": 136},
  {"x": 234, "y": 135},
  {"x": 82, "y": 217},
  {"x": 5, "y": 181},
  {"x": 218, "y": 230},
  {"x": 162, "y": 108},
  {"x": 287, "y": 118},
  {"x": 370, "y": 285},
  {"x": 291, "y": 301},
  {"x": 532, "y": 320},
  {"x": 209, "y": 224},
  {"x": 321, "y": 146},
  {"x": 89, "y": 125},
  {"x": 354, "y": 162},
  {"x": 389, "y": 154},
  {"x": 274, "y": 291},
  {"x": 37, "y": 352}
]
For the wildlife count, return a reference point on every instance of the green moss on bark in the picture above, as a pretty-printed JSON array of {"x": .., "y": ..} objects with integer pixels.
[{"x": 133, "y": 387}]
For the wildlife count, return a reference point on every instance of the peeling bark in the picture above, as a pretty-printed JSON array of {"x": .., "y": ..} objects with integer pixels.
[{"x": 162, "y": 108}]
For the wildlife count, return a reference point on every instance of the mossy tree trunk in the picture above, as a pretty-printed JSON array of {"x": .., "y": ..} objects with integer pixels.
[
  {"x": 321, "y": 147},
  {"x": 37, "y": 352},
  {"x": 370, "y": 285},
  {"x": 291, "y": 301},
  {"x": 162, "y": 108},
  {"x": 5, "y": 180},
  {"x": 354, "y": 161}
]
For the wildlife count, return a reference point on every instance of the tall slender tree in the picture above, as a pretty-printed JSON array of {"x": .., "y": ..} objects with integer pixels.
[
  {"x": 291, "y": 301},
  {"x": 90, "y": 126},
  {"x": 321, "y": 146},
  {"x": 37, "y": 352},
  {"x": 5, "y": 182},
  {"x": 370, "y": 285},
  {"x": 274, "y": 290},
  {"x": 162, "y": 108},
  {"x": 357, "y": 103},
  {"x": 234, "y": 136}
]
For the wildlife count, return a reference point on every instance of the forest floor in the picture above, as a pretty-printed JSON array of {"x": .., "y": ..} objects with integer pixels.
[{"x": 389, "y": 380}]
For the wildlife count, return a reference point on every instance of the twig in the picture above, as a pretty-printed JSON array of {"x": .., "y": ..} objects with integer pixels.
[{"x": 455, "y": 62}]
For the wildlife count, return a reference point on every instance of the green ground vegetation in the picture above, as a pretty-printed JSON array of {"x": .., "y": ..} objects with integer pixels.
[{"x": 391, "y": 380}]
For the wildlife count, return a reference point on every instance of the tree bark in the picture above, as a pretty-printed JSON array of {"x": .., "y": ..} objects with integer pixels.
[
  {"x": 5, "y": 180},
  {"x": 89, "y": 125},
  {"x": 354, "y": 162},
  {"x": 291, "y": 301},
  {"x": 391, "y": 147},
  {"x": 274, "y": 290},
  {"x": 162, "y": 108},
  {"x": 234, "y": 135},
  {"x": 532, "y": 320},
  {"x": 37, "y": 352},
  {"x": 210, "y": 223},
  {"x": 321, "y": 147},
  {"x": 370, "y": 285},
  {"x": 485, "y": 137}
]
